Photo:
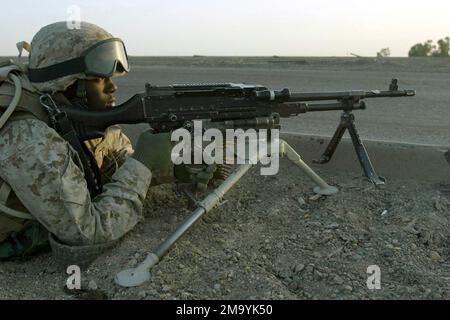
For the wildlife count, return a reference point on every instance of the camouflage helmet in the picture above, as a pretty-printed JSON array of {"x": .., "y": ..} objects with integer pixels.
[{"x": 56, "y": 43}]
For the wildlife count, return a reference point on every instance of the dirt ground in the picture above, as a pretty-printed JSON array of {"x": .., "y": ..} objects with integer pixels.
[{"x": 271, "y": 238}]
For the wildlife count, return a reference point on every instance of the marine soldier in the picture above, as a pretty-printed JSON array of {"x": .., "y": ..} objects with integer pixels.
[{"x": 84, "y": 193}]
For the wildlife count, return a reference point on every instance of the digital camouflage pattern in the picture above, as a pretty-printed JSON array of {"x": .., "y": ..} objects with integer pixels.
[
  {"x": 41, "y": 167},
  {"x": 111, "y": 151},
  {"x": 56, "y": 43}
]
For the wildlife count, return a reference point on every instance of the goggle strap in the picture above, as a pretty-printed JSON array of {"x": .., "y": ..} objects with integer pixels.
[{"x": 58, "y": 70}]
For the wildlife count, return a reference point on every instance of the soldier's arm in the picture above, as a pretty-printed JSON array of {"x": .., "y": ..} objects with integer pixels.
[{"x": 39, "y": 166}]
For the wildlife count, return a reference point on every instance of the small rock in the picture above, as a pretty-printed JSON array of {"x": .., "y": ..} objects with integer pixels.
[
  {"x": 301, "y": 201},
  {"x": 425, "y": 237},
  {"x": 338, "y": 280},
  {"x": 217, "y": 286},
  {"x": 315, "y": 197},
  {"x": 435, "y": 256},
  {"x": 152, "y": 292},
  {"x": 133, "y": 262},
  {"x": 142, "y": 294},
  {"x": 299, "y": 268},
  {"x": 317, "y": 254},
  {"x": 387, "y": 253},
  {"x": 319, "y": 274},
  {"x": 348, "y": 288},
  {"x": 166, "y": 288},
  {"x": 92, "y": 285},
  {"x": 292, "y": 237},
  {"x": 436, "y": 296},
  {"x": 309, "y": 269},
  {"x": 332, "y": 226},
  {"x": 185, "y": 295}
]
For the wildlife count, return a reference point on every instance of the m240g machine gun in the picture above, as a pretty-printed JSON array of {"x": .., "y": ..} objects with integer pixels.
[
  {"x": 228, "y": 106},
  {"x": 232, "y": 106}
]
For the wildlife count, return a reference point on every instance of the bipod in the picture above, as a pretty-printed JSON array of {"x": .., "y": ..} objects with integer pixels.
[
  {"x": 136, "y": 276},
  {"x": 348, "y": 123}
]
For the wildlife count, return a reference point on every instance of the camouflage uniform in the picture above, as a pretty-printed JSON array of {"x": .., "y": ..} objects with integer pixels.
[
  {"x": 41, "y": 168},
  {"x": 44, "y": 171}
]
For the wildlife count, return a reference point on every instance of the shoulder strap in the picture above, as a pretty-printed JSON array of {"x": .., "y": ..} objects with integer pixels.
[
  {"x": 28, "y": 103},
  {"x": 30, "y": 106}
]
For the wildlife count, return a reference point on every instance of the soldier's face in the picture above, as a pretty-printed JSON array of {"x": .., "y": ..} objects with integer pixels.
[{"x": 100, "y": 93}]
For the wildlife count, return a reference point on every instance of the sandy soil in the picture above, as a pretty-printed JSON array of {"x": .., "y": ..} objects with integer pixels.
[{"x": 271, "y": 239}]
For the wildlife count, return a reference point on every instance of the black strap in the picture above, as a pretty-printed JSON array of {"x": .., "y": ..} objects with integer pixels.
[
  {"x": 58, "y": 70},
  {"x": 92, "y": 172},
  {"x": 61, "y": 123}
]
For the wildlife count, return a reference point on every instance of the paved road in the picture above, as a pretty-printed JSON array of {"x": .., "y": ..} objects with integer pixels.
[{"x": 424, "y": 119}]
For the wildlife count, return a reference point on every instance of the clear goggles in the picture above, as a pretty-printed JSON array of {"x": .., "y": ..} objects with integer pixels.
[{"x": 104, "y": 59}]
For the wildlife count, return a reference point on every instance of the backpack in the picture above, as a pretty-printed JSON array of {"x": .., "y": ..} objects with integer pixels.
[{"x": 18, "y": 100}]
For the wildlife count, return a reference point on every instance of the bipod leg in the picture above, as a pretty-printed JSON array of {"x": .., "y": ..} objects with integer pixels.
[
  {"x": 361, "y": 152},
  {"x": 322, "y": 188},
  {"x": 136, "y": 276},
  {"x": 332, "y": 145}
]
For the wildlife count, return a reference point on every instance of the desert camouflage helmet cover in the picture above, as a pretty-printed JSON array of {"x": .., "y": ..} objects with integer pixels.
[{"x": 57, "y": 43}]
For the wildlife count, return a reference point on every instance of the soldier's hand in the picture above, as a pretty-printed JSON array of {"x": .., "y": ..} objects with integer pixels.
[
  {"x": 199, "y": 175},
  {"x": 153, "y": 150}
]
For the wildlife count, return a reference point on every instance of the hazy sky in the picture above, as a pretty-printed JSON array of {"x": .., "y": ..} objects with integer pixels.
[{"x": 242, "y": 27}]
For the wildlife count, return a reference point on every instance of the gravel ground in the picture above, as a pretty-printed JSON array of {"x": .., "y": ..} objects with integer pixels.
[{"x": 272, "y": 239}]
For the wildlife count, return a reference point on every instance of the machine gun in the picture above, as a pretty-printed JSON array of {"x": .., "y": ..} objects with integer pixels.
[
  {"x": 229, "y": 106},
  {"x": 232, "y": 106}
]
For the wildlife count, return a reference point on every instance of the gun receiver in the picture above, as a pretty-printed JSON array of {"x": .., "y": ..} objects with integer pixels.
[{"x": 231, "y": 106}]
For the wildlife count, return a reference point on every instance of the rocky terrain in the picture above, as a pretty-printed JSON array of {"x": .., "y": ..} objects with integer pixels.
[{"x": 272, "y": 238}]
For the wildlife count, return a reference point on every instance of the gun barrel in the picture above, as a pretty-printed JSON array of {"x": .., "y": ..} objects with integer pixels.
[{"x": 350, "y": 95}]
